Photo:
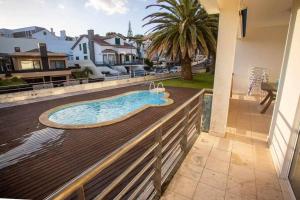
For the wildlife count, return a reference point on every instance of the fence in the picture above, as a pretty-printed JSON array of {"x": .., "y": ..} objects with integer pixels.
[{"x": 158, "y": 152}]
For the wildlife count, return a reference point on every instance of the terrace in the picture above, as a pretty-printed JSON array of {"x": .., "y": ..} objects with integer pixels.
[
  {"x": 238, "y": 166},
  {"x": 158, "y": 152}
]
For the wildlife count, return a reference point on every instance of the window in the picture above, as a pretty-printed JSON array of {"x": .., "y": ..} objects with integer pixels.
[
  {"x": 45, "y": 33},
  {"x": 17, "y": 49},
  {"x": 118, "y": 41},
  {"x": 77, "y": 58},
  {"x": 80, "y": 47},
  {"x": 84, "y": 48},
  {"x": 57, "y": 64},
  {"x": 85, "y": 57},
  {"x": 30, "y": 64}
]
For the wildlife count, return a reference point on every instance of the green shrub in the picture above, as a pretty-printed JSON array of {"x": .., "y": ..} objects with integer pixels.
[{"x": 12, "y": 81}]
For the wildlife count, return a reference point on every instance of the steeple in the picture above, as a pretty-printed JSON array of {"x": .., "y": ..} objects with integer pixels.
[{"x": 130, "y": 33}]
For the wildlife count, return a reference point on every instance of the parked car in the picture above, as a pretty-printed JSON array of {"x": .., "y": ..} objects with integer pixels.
[{"x": 175, "y": 69}]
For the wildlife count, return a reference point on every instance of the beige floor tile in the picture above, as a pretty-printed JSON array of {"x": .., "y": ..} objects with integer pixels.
[
  {"x": 214, "y": 179},
  {"x": 203, "y": 150},
  {"x": 204, "y": 139},
  {"x": 233, "y": 196},
  {"x": 241, "y": 187},
  {"x": 265, "y": 166},
  {"x": 266, "y": 193},
  {"x": 217, "y": 165},
  {"x": 242, "y": 160},
  {"x": 183, "y": 186},
  {"x": 206, "y": 192},
  {"x": 220, "y": 154},
  {"x": 173, "y": 196},
  {"x": 191, "y": 171},
  {"x": 267, "y": 180},
  {"x": 195, "y": 158},
  {"x": 241, "y": 172},
  {"x": 243, "y": 149},
  {"x": 223, "y": 144}
]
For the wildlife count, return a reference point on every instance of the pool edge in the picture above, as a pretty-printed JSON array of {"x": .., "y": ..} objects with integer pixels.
[{"x": 44, "y": 117}]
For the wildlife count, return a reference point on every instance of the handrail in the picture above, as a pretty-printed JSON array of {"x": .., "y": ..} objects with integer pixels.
[
  {"x": 160, "y": 84},
  {"x": 78, "y": 182},
  {"x": 152, "y": 84}
]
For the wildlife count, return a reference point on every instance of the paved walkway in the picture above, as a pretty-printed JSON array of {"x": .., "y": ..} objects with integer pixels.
[{"x": 236, "y": 167}]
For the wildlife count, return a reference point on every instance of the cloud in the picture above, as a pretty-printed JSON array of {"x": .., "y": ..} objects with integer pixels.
[
  {"x": 109, "y": 6},
  {"x": 61, "y": 6}
]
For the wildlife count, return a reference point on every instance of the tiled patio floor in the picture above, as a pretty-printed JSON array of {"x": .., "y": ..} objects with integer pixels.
[{"x": 236, "y": 167}]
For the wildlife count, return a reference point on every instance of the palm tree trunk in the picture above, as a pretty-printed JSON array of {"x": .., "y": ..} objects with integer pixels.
[
  {"x": 186, "y": 69},
  {"x": 213, "y": 64}
]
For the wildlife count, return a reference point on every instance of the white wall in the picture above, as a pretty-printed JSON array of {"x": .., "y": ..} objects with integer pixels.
[
  {"x": 112, "y": 41},
  {"x": 228, "y": 26},
  {"x": 286, "y": 119},
  {"x": 41, "y": 36},
  {"x": 80, "y": 54},
  {"x": 7, "y": 45},
  {"x": 262, "y": 47}
]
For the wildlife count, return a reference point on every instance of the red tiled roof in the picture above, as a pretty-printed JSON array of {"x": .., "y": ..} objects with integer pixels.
[{"x": 101, "y": 41}]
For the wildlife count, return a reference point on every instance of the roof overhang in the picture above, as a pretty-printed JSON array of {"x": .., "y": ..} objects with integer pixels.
[{"x": 211, "y": 6}]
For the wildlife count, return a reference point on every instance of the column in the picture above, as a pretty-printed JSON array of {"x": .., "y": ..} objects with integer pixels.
[{"x": 228, "y": 27}]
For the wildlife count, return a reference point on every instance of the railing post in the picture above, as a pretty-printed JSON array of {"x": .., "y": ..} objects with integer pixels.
[
  {"x": 184, "y": 139},
  {"x": 199, "y": 114},
  {"x": 158, "y": 163},
  {"x": 80, "y": 193}
]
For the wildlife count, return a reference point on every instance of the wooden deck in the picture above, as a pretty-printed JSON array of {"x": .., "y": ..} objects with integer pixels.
[{"x": 55, "y": 156}]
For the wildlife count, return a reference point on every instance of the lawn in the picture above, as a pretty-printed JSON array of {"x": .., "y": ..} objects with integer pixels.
[{"x": 199, "y": 81}]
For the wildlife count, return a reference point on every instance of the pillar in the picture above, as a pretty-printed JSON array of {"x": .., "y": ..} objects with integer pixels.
[{"x": 228, "y": 27}]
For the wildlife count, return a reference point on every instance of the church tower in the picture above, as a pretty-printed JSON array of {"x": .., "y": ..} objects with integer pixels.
[{"x": 130, "y": 33}]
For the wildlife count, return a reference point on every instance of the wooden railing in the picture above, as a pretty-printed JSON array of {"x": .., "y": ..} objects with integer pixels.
[{"x": 169, "y": 141}]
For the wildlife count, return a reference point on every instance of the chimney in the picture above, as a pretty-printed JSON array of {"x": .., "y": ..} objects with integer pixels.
[
  {"x": 91, "y": 38},
  {"x": 52, "y": 32},
  {"x": 63, "y": 34},
  {"x": 44, "y": 55}
]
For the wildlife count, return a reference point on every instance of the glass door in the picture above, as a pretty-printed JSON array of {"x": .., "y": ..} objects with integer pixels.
[{"x": 294, "y": 175}]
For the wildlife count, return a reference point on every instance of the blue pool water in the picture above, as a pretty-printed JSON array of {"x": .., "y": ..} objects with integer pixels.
[{"x": 106, "y": 109}]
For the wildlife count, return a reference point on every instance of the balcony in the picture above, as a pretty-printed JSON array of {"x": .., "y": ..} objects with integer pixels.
[{"x": 238, "y": 166}]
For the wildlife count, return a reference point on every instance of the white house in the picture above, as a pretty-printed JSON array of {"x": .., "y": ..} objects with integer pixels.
[
  {"x": 112, "y": 49},
  {"x": 26, "y": 38}
]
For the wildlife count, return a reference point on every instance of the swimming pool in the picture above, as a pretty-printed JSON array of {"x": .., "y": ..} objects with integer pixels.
[{"x": 101, "y": 112}]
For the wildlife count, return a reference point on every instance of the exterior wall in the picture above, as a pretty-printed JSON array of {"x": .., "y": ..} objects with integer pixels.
[
  {"x": 17, "y": 60},
  {"x": 286, "y": 119},
  {"x": 7, "y": 44},
  {"x": 113, "y": 42},
  {"x": 78, "y": 53},
  {"x": 262, "y": 47},
  {"x": 98, "y": 52},
  {"x": 41, "y": 36},
  {"x": 58, "y": 46}
]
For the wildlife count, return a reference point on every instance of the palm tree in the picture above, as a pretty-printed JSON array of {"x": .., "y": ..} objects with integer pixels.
[{"x": 179, "y": 29}]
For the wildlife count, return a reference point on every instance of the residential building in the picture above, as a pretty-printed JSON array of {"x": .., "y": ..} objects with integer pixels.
[
  {"x": 26, "y": 32},
  {"x": 35, "y": 65},
  {"x": 112, "y": 49},
  {"x": 32, "y": 35}
]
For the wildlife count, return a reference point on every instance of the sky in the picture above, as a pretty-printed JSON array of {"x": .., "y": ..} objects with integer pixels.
[{"x": 76, "y": 16}]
